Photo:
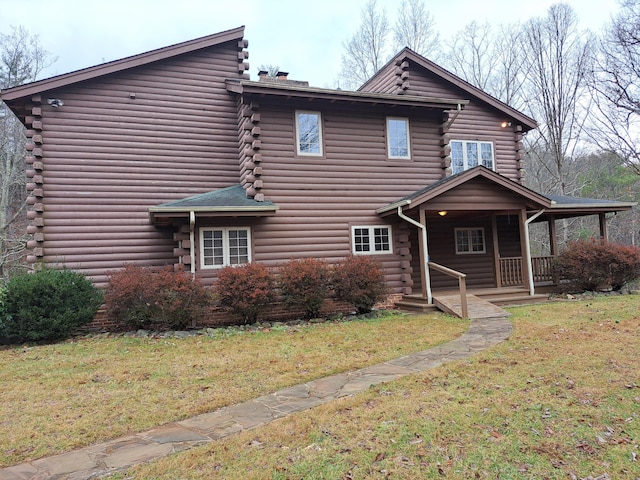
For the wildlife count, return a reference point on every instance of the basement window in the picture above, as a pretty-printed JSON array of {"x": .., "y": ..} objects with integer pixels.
[{"x": 470, "y": 241}]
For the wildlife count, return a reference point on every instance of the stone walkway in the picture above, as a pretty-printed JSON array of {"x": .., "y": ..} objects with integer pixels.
[{"x": 119, "y": 454}]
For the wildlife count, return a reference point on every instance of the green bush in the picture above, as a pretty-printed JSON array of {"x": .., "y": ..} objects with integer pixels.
[
  {"x": 245, "y": 290},
  {"x": 304, "y": 283},
  {"x": 155, "y": 298},
  {"x": 359, "y": 280},
  {"x": 48, "y": 304},
  {"x": 591, "y": 265}
]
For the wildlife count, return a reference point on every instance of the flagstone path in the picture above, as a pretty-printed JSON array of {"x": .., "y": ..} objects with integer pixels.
[{"x": 117, "y": 455}]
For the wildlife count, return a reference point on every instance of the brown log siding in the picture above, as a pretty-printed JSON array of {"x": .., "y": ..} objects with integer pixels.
[{"x": 128, "y": 141}]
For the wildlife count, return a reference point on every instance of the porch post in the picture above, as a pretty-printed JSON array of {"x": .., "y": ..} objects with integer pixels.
[
  {"x": 603, "y": 227},
  {"x": 553, "y": 244},
  {"x": 553, "y": 237},
  {"x": 496, "y": 251},
  {"x": 524, "y": 251}
]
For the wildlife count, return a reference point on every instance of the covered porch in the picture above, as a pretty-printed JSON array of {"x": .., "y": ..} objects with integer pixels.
[{"x": 470, "y": 232}]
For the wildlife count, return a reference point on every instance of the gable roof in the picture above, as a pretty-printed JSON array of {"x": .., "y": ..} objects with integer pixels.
[
  {"x": 229, "y": 201},
  {"x": 89, "y": 73},
  {"x": 448, "y": 183},
  {"x": 557, "y": 206},
  {"x": 406, "y": 53}
]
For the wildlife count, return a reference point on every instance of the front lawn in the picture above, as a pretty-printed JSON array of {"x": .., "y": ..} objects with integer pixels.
[
  {"x": 559, "y": 400},
  {"x": 59, "y": 397}
]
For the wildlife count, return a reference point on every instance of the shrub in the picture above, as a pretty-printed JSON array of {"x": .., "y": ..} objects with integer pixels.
[
  {"x": 155, "y": 298},
  {"x": 305, "y": 283},
  {"x": 48, "y": 304},
  {"x": 592, "y": 265},
  {"x": 245, "y": 289},
  {"x": 359, "y": 280}
]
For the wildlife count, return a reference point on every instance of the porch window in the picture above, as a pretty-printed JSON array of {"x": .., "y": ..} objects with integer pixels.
[
  {"x": 309, "y": 133},
  {"x": 470, "y": 240},
  {"x": 466, "y": 154},
  {"x": 398, "y": 137},
  {"x": 221, "y": 247},
  {"x": 371, "y": 240}
]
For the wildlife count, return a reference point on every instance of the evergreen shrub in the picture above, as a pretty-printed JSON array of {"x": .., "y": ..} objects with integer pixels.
[{"x": 48, "y": 304}]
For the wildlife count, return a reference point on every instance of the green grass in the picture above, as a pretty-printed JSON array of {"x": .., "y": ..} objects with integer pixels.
[
  {"x": 558, "y": 400},
  {"x": 59, "y": 397}
]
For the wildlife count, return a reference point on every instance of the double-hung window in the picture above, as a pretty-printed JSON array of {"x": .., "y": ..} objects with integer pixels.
[
  {"x": 308, "y": 133},
  {"x": 371, "y": 240},
  {"x": 223, "y": 246},
  {"x": 470, "y": 240},
  {"x": 466, "y": 154},
  {"x": 398, "y": 137}
]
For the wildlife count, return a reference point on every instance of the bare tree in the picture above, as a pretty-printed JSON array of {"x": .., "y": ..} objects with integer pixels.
[
  {"x": 557, "y": 57},
  {"x": 22, "y": 58},
  {"x": 471, "y": 54},
  {"x": 366, "y": 52},
  {"x": 615, "y": 85},
  {"x": 415, "y": 28}
]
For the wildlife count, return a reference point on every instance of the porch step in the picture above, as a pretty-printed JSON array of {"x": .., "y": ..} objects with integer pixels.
[
  {"x": 415, "y": 305},
  {"x": 520, "y": 299},
  {"x": 478, "y": 307}
]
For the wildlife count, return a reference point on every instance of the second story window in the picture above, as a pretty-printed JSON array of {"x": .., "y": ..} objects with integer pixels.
[
  {"x": 309, "y": 133},
  {"x": 398, "y": 137},
  {"x": 466, "y": 154}
]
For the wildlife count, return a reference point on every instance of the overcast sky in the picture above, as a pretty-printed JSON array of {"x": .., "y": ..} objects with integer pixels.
[{"x": 303, "y": 37}]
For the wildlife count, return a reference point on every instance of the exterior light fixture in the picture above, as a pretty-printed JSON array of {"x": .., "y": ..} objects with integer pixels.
[
  {"x": 505, "y": 124},
  {"x": 442, "y": 213}
]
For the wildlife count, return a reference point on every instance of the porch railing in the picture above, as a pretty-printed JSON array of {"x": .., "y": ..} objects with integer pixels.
[
  {"x": 511, "y": 270},
  {"x": 462, "y": 285}
]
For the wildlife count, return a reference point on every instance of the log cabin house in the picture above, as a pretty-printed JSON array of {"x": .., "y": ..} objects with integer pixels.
[{"x": 176, "y": 156}]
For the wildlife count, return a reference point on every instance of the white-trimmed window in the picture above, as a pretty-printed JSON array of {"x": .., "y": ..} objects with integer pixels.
[
  {"x": 470, "y": 240},
  {"x": 371, "y": 240},
  {"x": 224, "y": 246},
  {"x": 308, "y": 133},
  {"x": 466, "y": 154},
  {"x": 398, "y": 137}
]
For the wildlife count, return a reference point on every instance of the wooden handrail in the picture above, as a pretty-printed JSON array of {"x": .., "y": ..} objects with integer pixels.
[{"x": 462, "y": 285}]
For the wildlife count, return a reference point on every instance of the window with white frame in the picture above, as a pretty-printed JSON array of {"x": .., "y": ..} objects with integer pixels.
[
  {"x": 470, "y": 240},
  {"x": 224, "y": 246},
  {"x": 398, "y": 137},
  {"x": 466, "y": 154},
  {"x": 309, "y": 133},
  {"x": 371, "y": 240}
]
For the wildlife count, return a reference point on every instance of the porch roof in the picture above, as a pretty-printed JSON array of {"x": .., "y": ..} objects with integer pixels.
[
  {"x": 446, "y": 184},
  {"x": 558, "y": 206},
  {"x": 567, "y": 206},
  {"x": 229, "y": 201}
]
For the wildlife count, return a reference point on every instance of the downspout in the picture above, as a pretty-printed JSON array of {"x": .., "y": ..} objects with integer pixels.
[
  {"x": 425, "y": 249},
  {"x": 192, "y": 242},
  {"x": 527, "y": 247}
]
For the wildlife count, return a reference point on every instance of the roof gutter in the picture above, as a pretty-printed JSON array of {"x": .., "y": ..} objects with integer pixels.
[
  {"x": 393, "y": 206},
  {"x": 192, "y": 243}
]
